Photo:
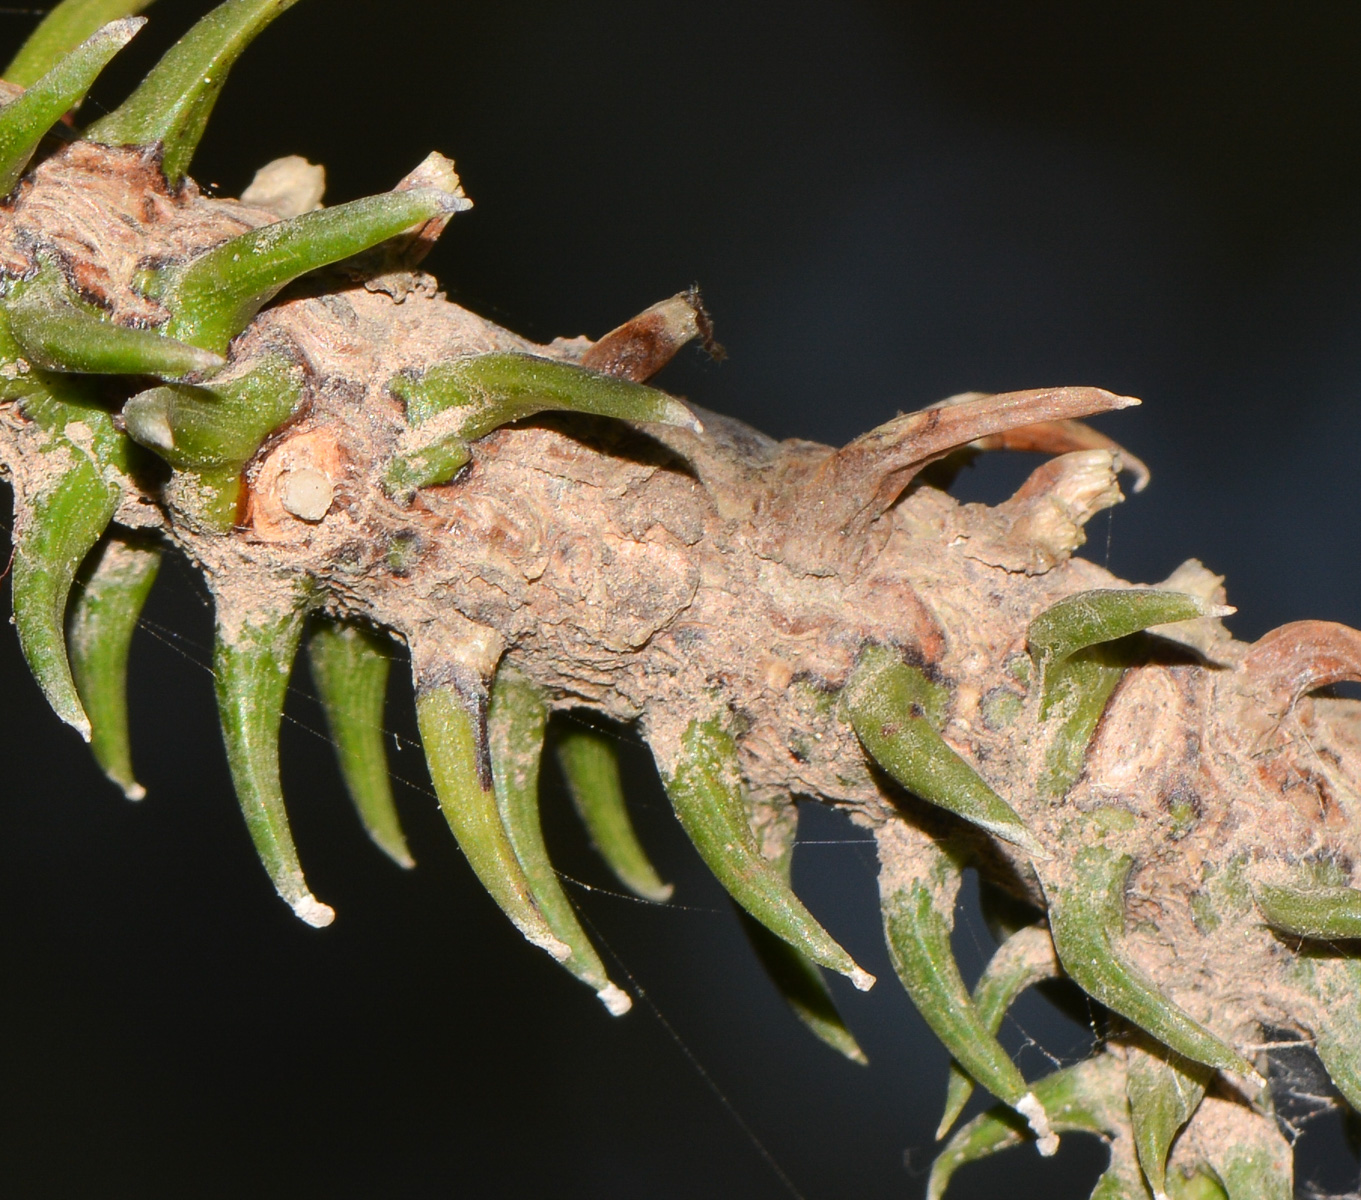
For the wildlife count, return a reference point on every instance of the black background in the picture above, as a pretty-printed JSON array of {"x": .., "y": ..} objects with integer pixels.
[{"x": 885, "y": 204}]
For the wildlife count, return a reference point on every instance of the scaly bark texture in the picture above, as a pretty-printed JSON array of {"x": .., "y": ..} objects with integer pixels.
[{"x": 1167, "y": 810}]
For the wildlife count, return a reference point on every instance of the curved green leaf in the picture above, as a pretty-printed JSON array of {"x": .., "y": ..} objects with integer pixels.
[
  {"x": 350, "y": 668},
  {"x": 1023, "y": 960},
  {"x": 705, "y": 787},
  {"x": 172, "y": 106},
  {"x": 61, "y": 31},
  {"x": 516, "y": 721},
  {"x": 1087, "y": 921},
  {"x": 252, "y": 659},
  {"x": 25, "y": 120},
  {"x": 591, "y": 769},
  {"x": 110, "y": 593},
  {"x": 452, "y": 716},
  {"x": 918, "y": 886},
  {"x": 889, "y": 705}
]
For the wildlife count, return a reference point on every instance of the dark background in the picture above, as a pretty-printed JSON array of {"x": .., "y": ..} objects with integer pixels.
[{"x": 885, "y": 204}]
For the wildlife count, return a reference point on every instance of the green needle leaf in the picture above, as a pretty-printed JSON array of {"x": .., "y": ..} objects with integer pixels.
[
  {"x": 1086, "y": 1098},
  {"x": 591, "y": 769},
  {"x": 350, "y": 667},
  {"x": 918, "y": 886},
  {"x": 1103, "y": 615},
  {"x": 112, "y": 589},
  {"x": 55, "y": 333},
  {"x": 1076, "y": 693},
  {"x": 798, "y": 980},
  {"x": 212, "y": 431},
  {"x": 1087, "y": 921},
  {"x": 172, "y": 106},
  {"x": 1328, "y": 913},
  {"x": 61, "y": 31},
  {"x": 1023, "y": 960},
  {"x": 455, "y": 403},
  {"x": 56, "y": 527},
  {"x": 516, "y": 721},
  {"x": 65, "y": 523},
  {"x": 252, "y": 659},
  {"x": 704, "y": 786},
  {"x": 890, "y": 705},
  {"x": 1164, "y": 1092},
  {"x": 25, "y": 120},
  {"x": 452, "y": 716},
  {"x": 1079, "y": 669},
  {"x": 213, "y": 297}
]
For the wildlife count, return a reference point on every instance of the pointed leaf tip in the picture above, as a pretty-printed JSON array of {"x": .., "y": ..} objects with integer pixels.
[
  {"x": 891, "y": 706},
  {"x": 252, "y": 660},
  {"x": 796, "y": 977},
  {"x": 313, "y": 912},
  {"x": 62, "y": 31},
  {"x": 108, "y": 602},
  {"x": 172, "y": 106},
  {"x": 617, "y": 1002},
  {"x": 1024, "y": 959},
  {"x": 918, "y": 887},
  {"x": 350, "y": 668},
  {"x": 705, "y": 788},
  {"x": 516, "y": 721},
  {"x": 65, "y": 522},
  {"x": 60, "y": 335},
  {"x": 1104, "y": 615},
  {"x": 457, "y": 402},
  {"x": 591, "y": 768},
  {"x": 1085, "y": 1098},
  {"x": 25, "y": 120},
  {"x": 1087, "y": 920},
  {"x": 213, "y": 297},
  {"x": 451, "y": 713},
  {"x": 1075, "y": 645}
]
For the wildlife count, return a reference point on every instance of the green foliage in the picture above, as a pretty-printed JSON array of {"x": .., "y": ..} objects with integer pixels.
[{"x": 91, "y": 376}]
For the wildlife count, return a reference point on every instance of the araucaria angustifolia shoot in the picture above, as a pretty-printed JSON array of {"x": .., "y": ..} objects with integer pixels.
[{"x": 273, "y": 389}]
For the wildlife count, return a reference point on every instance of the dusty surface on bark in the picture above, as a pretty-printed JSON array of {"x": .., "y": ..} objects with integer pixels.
[{"x": 654, "y": 574}]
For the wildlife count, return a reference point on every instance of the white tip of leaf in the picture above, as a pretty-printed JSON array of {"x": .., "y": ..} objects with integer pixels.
[
  {"x": 314, "y": 912},
  {"x": 616, "y": 1001},
  {"x": 135, "y": 791},
  {"x": 862, "y": 979},
  {"x": 1032, "y": 1110}
]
